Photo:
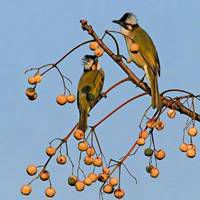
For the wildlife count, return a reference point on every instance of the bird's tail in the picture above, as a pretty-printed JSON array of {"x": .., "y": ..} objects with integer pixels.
[
  {"x": 155, "y": 96},
  {"x": 83, "y": 120}
]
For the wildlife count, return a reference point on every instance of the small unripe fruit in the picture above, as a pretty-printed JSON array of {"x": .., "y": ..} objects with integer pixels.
[
  {"x": 160, "y": 125},
  {"x": 134, "y": 48},
  {"x": 108, "y": 189},
  {"x": 38, "y": 78},
  {"x": 151, "y": 124},
  {"x": 50, "y": 192},
  {"x": 140, "y": 141},
  {"x": 61, "y": 159},
  {"x": 171, "y": 113},
  {"x": 83, "y": 146},
  {"x": 106, "y": 170},
  {"x": 103, "y": 177},
  {"x": 90, "y": 151},
  {"x": 79, "y": 134},
  {"x": 72, "y": 180},
  {"x": 44, "y": 175},
  {"x": 154, "y": 172},
  {"x": 113, "y": 181},
  {"x": 71, "y": 98},
  {"x": 31, "y": 170},
  {"x": 149, "y": 168},
  {"x": 61, "y": 99},
  {"x": 50, "y": 151},
  {"x": 87, "y": 181},
  {"x": 94, "y": 45},
  {"x": 191, "y": 153},
  {"x": 160, "y": 154},
  {"x": 98, "y": 52},
  {"x": 31, "y": 80},
  {"x": 148, "y": 152},
  {"x": 80, "y": 186},
  {"x": 192, "y": 131},
  {"x": 98, "y": 162},
  {"x": 183, "y": 147},
  {"x": 144, "y": 134},
  {"x": 88, "y": 160},
  {"x": 26, "y": 189},
  {"x": 93, "y": 177},
  {"x": 119, "y": 193}
]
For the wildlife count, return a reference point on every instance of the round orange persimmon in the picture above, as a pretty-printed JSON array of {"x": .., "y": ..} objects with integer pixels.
[
  {"x": 140, "y": 141},
  {"x": 94, "y": 45},
  {"x": 171, "y": 113},
  {"x": 30, "y": 92},
  {"x": 98, "y": 162},
  {"x": 38, "y": 78},
  {"x": 80, "y": 186},
  {"x": 87, "y": 181},
  {"x": 31, "y": 80},
  {"x": 151, "y": 123},
  {"x": 44, "y": 175},
  {"x": 183, "y": 147},
  {"x": 192, "y": 131},
  {"x": 144, "y": 134},
  {"x": 113, "y": 181},
  {"x": 79, "y": 134},
  {"x": 191, "y": 153},
  {"x": 108, "y": 189},
  {"x": 71, "y": 98},
  {"x": 61, "y": 159},
  {"x": 119, "y": 193},
  {"x": 103, "y": 177},
  {"x": 50, "y": 151},
  {"x": 50, "y": 192},
  {"x": 93, "y": 177},
  {"x": 31, "y": 170},
  {"x": 90, "y": 151},
  {"x": 61, "y": 99},
  {"x": 154, "y": 172},
  {"x": 26, "y": 189},
  {"x": 106, "y": 170},
  {"x": 98, "y": 52},
  {"x": 160, "y": 154},
  {"x": 160, "y": 125},
  {"x": 83, "y": 146},
  {"x": 88, "y": 160}
]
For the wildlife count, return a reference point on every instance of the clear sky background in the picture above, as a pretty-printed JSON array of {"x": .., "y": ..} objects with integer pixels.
[{"x": 39, "y": 32}]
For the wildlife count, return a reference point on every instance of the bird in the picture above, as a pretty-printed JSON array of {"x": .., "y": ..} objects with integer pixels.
[
  {"x": 89, "y": 88},
  {"x": 142, "y": 52}
]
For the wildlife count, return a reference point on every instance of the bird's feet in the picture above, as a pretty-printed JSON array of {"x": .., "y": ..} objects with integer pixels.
[{"x": 103, "y": 95}]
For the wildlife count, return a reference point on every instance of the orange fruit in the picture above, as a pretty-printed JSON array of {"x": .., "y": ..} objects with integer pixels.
[
  {"x": 61, "y": 159},
  {"x": 93, "y": 45},
  {"x": 30, "y": 92},
  {"x": 183, "y": 147},
  {"x": 119, "y": 193},
  {"x": 79, "y": 134},
  {"x": 98, "y": 162},
  {"x": 154, "y": 172},
  {"x": 50, "y": 151},
  {"x": 191, "y": 153},
  {"x": 72, "y": 180},
  {"x": 32, "y": 98},
  {"x": 93, "y": 177},
  {"x": 61, "y": 99},
  {"x": 31, "y": 80},
  {"x": 106, "y": 170},
  {"x": 38, "y": 78},
  {"x": 71, "y": 98},
  {"x": 108, "y": 189},
  {"x": 151, "y": 123},
  {"x": 149, "y": 168},
  {"x": 160, "y": 154},
  {"x": 134, "y": 48},
  {"x": 88, "y": 160},
  {"x": 98, "y": 52},
  {"x": 83, "y": 146},
  {"x": 192, "y": 131},
  {"x": 140, "y": 141},
  {"x": 44, "y": 175},
  {"x": 80, "y": 186},
  {"x": 171, "y": 113},
  {"x": 113, "y": 181},
  {"x": 160, "y": 125},
  {"x": 31, "y": 170},
  {"x": 87, "y": 181},
  {"x": 144, "y": 134},
  {"x": 50, "y": 192},
  {"x": 90, "y": 151},
  {"x": 26, "y": 189},
  {"x": 103, "y": 177}
]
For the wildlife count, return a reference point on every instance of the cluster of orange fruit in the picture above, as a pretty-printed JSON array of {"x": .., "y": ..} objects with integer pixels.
[
  {"x": 190, "y": 149},
  {"x": 98, "y": 51},
  {"x": 63, "y": 99}
]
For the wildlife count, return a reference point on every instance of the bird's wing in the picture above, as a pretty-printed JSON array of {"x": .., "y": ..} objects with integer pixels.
[{"x": 147, "y": 49}]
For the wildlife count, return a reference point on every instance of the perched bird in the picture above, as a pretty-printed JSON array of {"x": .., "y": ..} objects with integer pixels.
[
  {"x": 89, "y": 88},
  {"x": 142, "y": 52}
]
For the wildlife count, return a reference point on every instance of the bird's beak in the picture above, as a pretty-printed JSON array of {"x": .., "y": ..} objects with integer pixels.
[
  {"x": 96, "y": 60},
  {"x": 117, "y": 22}
]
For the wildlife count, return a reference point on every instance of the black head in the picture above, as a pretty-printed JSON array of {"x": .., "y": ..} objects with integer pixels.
[{"x": 89, "y": 61}]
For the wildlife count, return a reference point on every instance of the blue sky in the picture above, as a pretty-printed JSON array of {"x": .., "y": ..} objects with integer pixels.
[{"x": 38, "y": 32}]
